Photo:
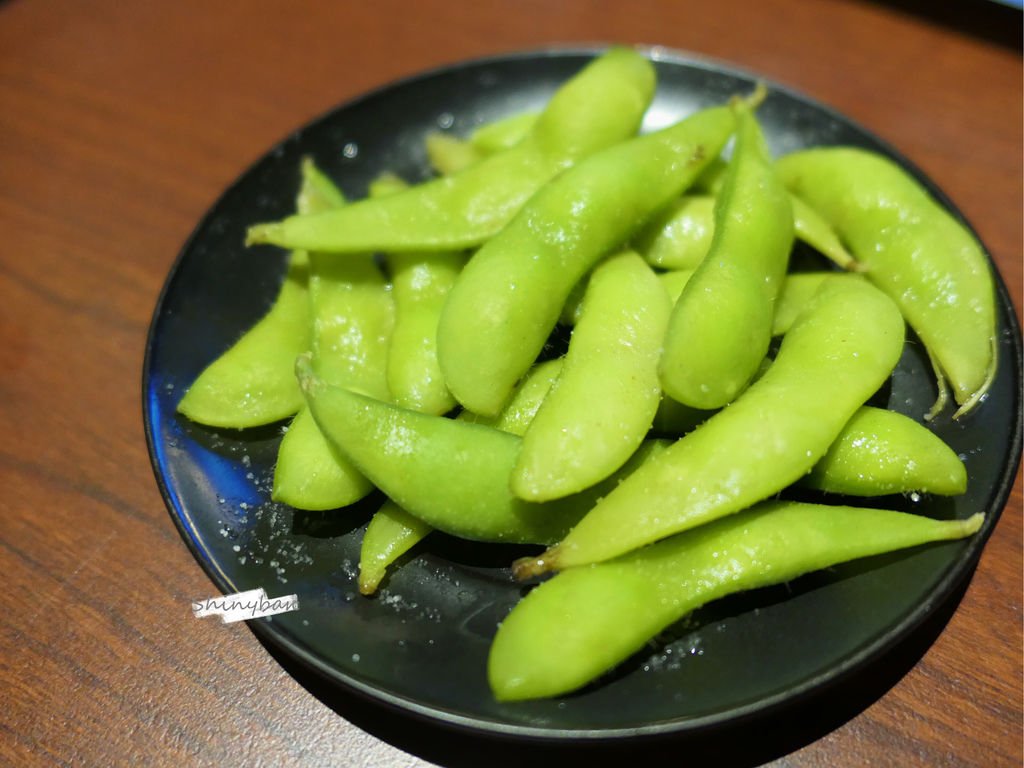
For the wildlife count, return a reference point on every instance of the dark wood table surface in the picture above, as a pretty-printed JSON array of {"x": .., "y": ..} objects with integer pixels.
[{"x": 121, "y": 122}]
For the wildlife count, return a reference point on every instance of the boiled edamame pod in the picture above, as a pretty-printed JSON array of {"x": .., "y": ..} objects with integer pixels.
[
  {"x": 837, "y": 354},
  {"x": 604, "y": 400},
  {"x": 679, "y": 237},
  {"x": 510, "y": 295},
  {"x": 584, "y": 621},
  {"x": 391, "y": 533},
  {"x": 721, "y": 324},
  {"x": 453, "y": 475},
  {"x": 914, "y": 250},
  {"x": 881, "y": 452},
  {"x": 599, "y": 107}
]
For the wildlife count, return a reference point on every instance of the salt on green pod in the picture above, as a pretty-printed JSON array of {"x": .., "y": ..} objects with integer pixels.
[
  {"x": 881, "y": 452},
  {"x": 915, "y": 250},
  {"x": 602, "y": 405},
  {"x": 720, "y": 327},
  {"x": 453, "y": 475},
  {"x": 391, "y": 533},
  {"x": 397, "y": 531},
  {"x": 597, "y": 108},
  {"x": 449, "y": 154},
  {"x": 679, "y": 237},
  {"x": 517, "y": 414},
  {"x": 837, "y": 354},
  {"x": 512, "y": 291},
  {"x": 585, "y": 621},
  {"x": 352, "y": 319},
  {"x": 504, "y": 133},
  {"x": 253, "y": 382}
]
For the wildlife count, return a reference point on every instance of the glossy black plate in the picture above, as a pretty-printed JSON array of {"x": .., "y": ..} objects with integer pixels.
[{"x": 421, "y": 645}]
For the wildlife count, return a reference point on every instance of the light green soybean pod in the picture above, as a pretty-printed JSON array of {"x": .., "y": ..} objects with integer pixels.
[
  {"x": 512, "y": 291},
  {"x": 837, "y": 354},
  {"x": 352, "y": 319},
  {"x": 913, "y": 249},
  {"x": 453, "y": 475},
  {"x": 393, "y": 531},
  {"x": 584, "y": 621},
  {"x": 679, "y": 237},
  {"x": 602, "y": 405},
  {"x": 503, "y": 133},
  {"x": 449, "y": 154},
  {"x": 720, "y": 327},
  {"x": 599, "y": 107},
  {"x": 881, "y": 452}
]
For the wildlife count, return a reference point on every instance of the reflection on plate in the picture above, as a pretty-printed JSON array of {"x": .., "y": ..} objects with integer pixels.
[{"x": 421, "y": 644}]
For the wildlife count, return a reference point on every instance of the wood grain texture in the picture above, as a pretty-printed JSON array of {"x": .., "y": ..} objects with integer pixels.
[{"x": 120, "y": 123}]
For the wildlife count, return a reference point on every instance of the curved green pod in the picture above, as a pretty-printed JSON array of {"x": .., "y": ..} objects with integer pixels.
[
  {"x": 453, "y": 475},
  {"x": 351, "y": 314},
  {"x": 388, "y": 538},
  {"x": 603, "y": 402},
  {"x": 253, "y": 383},
  {"x": 584, "y": 621},
  {"x": 391, "y": 533},
  {"x": 720, "y": 327},
  {"x": 914, "y": 250},
  {"x": 679, "y": 236},
  {"x": 449, "y": 154},
  {"x": 881, "y": 452},
  {"x": 599, "y": 107},
  {"x": 837, "y": 354},
  {"x": 513, "y": 289},
  {"x": 504, "y": 133}
]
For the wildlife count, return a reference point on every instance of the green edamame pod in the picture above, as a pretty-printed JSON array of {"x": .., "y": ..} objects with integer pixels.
[
  {"x": 247, "y": 386},
  {"x": 504, "y": 133},
  {"x": 721, "y": 324},
  {"x": 352, "y": 318},
  {"x": 599, "y": 107},
  {"x": 584, "y": 621},
  {"x": 679, "y": 237},
  {"x": 253, "y": 382},
  {"x": 397, "y": 531},
  {"x": 881, "y": 452},
  {"x": 811, "y": 228},
  {"x": 391, "y": 533},
  {"x": 453, "y": 475},
  {"x": 449, "y": 154},
  {"x": 511, "y": 292},
  {"x": 837, "y": 354},
  {"x": 914, "y": 250},
  {"x": 517, "y": 414},
  {"x": 602, "y": 405}
]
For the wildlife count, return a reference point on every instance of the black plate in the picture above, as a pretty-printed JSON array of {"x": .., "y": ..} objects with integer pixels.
[{"x": 421, "y": 644}]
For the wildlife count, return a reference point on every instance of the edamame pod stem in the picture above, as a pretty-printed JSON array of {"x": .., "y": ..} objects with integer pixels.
[
  {"x": 584, "y": 621},
  {"x": 837, "y": 354},
  {"x": 914, "y": 250},
  {"x": 510, "y": 295},
  {"x": 720, "y": 327},
  {"x": 601, "y": 106},
  {"x": 393, "y": 531},
  {"x": 881, "y": 452},
  {"x": 453, "y": 475},
  {"x": 602, "y": 405}
]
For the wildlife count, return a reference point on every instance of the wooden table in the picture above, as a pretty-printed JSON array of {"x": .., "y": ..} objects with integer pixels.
[{"x": 120, "y": 123}]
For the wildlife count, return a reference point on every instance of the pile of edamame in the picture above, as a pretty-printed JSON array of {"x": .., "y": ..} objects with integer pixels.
[{"x": 408, "y": 346}]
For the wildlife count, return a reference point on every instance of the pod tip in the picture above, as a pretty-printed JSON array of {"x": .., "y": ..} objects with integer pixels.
[{"x": 526, "y": 568}]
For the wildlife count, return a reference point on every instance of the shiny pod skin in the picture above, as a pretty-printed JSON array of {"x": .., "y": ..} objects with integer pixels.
[
  {"x": 720, "y": 327},
  {"x": 603, "y": 402},
  {"x": 511, "y": 293},
  {"x": 599, "y": 107},
  {"x": 913, "y": 249},
  {"x": 841, "y": 349},
  {"x": 453, "y": 475},
  {"x": 585, "y": 621},
  {"x": 881, "y": 452}
]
